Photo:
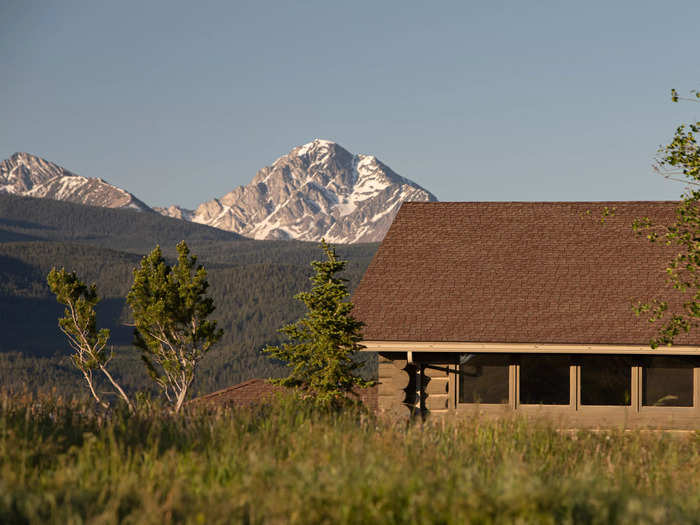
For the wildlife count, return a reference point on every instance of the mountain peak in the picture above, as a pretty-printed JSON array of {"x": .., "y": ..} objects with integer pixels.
[
  {"x": 25, "y": 155},
  {"x": 318, "y": 190},
  {"x": 22, "y": 155},
  {"x": 22, "y": 158},
  {"x": 317, "y": 148},
  {"x": 314, "y": 144}
]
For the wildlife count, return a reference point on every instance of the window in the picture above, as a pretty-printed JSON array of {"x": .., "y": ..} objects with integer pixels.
[
  {"x": 667, "y": 381},
  {"x": 544, "y": 380},
  {"x": 606, "y": 381},
  {"x": 483, "y": 379}
]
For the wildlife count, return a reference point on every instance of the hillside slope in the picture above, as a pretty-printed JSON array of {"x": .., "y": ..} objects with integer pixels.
[{"x": 34, "y": 219}]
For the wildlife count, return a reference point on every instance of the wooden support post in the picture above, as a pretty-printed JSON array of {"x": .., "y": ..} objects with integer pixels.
[{"x": 636, "y": 394}]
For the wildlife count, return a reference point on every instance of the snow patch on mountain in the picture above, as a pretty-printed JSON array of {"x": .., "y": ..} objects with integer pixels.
[{"x": 176, "y": 212}]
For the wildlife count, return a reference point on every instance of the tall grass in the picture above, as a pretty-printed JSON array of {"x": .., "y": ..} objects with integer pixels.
[{"x": 64, "y": 462}]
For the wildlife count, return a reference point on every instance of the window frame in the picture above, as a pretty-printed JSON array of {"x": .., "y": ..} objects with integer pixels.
[
  {"x": 587, "y": 414},
  {"x": 509, "y": 363},
  {"x": 494, "y": 409},
  {"x": 600, "y": 413},
  {"x": 651, "y": 409},
  {"x": 538, "y": 407}
]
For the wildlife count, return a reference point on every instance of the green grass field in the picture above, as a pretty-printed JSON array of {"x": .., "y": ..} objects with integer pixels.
[{"x": 63, "y": 462}]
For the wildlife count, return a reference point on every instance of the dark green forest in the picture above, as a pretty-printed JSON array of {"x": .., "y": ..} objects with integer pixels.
[{"x": 252, "y": 283}]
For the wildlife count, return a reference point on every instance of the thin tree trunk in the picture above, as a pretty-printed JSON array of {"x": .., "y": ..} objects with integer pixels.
[
  {"x": 119, "y": 388},
  {"x": 183, "y": 392},
  {"x": 180, "y": 399},
  {"x": 92, "y": 389}
]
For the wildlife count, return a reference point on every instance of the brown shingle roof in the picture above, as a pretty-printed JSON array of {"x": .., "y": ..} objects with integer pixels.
[
  {"x": 256, "y": 391},
  {"x": 543, "y": 272},
  {"x": 247, "y": 393}
]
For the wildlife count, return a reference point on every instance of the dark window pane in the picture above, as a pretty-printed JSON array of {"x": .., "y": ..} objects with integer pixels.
[
  {"x": 667, "y": 381},
  {"x": 483, "y": 379},
  {"x": 606, "y": 381},
  {"x": 544, "y": 380}
]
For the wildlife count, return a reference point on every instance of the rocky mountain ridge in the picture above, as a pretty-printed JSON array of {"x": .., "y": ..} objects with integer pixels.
[
  {"x": 31, "y": 176},
  {"x": 318, "y": 190}
]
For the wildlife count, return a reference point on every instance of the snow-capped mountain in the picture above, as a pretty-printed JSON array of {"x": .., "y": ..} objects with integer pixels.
[
  {"x": 28, "y": 175},
  {"x": 318, "y": 190}
]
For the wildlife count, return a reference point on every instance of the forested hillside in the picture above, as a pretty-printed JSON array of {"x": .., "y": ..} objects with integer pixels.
[
  {"x": 252, "y": 282},
  {"x": 30, "y": 219}
]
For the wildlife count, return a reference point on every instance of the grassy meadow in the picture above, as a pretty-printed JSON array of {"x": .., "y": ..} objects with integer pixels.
[{"x": 64, "y": 462}]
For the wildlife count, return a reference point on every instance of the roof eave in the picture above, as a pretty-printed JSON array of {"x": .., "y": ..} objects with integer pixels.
[{"x": 524, "y": 348}]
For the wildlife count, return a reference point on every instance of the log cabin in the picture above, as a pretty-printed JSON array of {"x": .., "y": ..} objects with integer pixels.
[{"x": 492, "y": 309}]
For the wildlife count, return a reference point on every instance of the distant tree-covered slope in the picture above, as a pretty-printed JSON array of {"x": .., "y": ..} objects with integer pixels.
[
  {"x": 31, "y": 219},
  {"x": 252, "y": 282}
]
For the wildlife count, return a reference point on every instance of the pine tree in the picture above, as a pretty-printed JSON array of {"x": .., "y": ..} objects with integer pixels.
[
  {"x": 79, "y": 324},
  {"x": 170, "y": 309},
  {"x": 323, "y": 343}
]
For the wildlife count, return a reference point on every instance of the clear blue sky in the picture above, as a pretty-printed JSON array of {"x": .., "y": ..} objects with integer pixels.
[{"x": 180, "y": 102}]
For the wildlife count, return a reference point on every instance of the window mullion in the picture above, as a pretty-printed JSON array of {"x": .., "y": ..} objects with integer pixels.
[
  {"x": 636, "y": 388},
  {"x": 513, "y": 386},
  {"x": 575, "y": 382}
]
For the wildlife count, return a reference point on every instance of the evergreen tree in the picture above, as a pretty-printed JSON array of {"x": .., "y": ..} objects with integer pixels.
[
  {"x": 79, "y": 324},
  {"x": 323, "y": 343},
  {"x": 170, "y": 309}
]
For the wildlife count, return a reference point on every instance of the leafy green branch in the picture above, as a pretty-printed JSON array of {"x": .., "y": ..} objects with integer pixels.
[{"x": 678, "y": 160}]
